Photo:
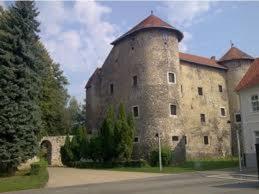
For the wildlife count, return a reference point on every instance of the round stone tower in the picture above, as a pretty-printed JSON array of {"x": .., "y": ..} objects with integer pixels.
[
  {"x": 237, "y": 63},
  {"x": 146, "y": 61}
]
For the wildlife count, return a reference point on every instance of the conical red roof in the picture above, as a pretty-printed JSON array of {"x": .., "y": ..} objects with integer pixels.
[
  {"x": 251, "y": 78},
  {"x": 150, "y": 22},
  {"x": 233, "y": 54}
]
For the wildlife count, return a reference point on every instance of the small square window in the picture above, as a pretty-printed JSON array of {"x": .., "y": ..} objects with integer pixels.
[
  {"x": 111, "y": 89},
  {"x": 171, "y": 78},
  {"x": 238, "y": 117},
  {"x": 223, "y": 112},
  {"x": 203, "y": 119},
  {"x": 206, "y": 140},
  {"x": 220, "y": 88},
  {"x": 136, "y": 139},
  {"x": 175, "y": 138},
  {"x": 172, "y": 109},
  {"x": 255, "y": 103},
  {"x": 135, "y": 111},
  {"x": 135, "y": 80},
  {"x": 200, "y": 91},
  {"x": 185, "y": 139}
]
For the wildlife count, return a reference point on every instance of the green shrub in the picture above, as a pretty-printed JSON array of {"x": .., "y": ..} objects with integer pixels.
[
  {"x": 166, "y": 155},
  {"x": 35, "y": 169},
  {"x": 66, "y": 152}
]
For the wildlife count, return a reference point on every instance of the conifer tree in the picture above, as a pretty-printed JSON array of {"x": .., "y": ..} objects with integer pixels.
[
  {"x": 19, "y": 85},
  {"x": 107, "y": 134}
]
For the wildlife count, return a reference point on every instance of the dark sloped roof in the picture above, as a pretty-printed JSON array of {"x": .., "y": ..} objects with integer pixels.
[
  {"x": 93, "y": 76},
  {"x": 200, "y": 60},
  {"x": 150, "y": 22},
  {"x": 251, "y": 78},
  {"x": 234, "y": 54}
]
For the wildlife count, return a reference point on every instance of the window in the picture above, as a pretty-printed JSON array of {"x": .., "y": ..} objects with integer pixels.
[
  {"x": 220, "y": 88},
  {"x": 135, "y": 80},
  {"x": 256, "y": 137},
  {"x": 136, "y": 139},
  {"x": 223, "y": 112},
  {"x": 185, "y": 139},
  {"x": 255, "y": 103},
  {"x": 111, "y": 88},
  {"x": 203, "y": 119},
  {"x": 206, "y": 140},
  {"x": 175, "y": 138},
  {"x": 172, "y": 109},
  {"x": 200, "y": 92},
  {"x": 135, "y": 111},
  {"x": 238, "y": 117},
  {"x": 171, "y": 78}
]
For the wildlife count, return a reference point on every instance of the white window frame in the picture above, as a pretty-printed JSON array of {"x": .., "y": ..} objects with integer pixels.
[
  {"x": 171, "y": 83},
  {"x": 238, "y": 113},
  {"x": 133, "y": 111},
  {"x": 136, "y": 141},
  {"x": 174, "y": 116},
  {"x": 251, "y": 103}
]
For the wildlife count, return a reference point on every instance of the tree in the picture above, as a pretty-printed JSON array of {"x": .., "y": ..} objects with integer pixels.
[
  {"x": 107, "y": 134},
  {"x": 19, "y": 83},
  {"x": 124, "y": 131},
  {"x": 53, "y": 95},
  {"x": 66, "y": 152}
]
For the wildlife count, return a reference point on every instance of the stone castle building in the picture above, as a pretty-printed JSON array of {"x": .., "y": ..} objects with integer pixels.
[{"x": 190, "y": 100}]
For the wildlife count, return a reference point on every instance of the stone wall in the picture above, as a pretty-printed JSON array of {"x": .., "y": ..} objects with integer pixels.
[
  {"x": 56, "y": 143},
  {"x": 236, "y": 71},
  {"x": 150, "y": 55}
]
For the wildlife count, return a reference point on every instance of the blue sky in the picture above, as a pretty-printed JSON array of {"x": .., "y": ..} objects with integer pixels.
[{"x": 78, "y": 34}]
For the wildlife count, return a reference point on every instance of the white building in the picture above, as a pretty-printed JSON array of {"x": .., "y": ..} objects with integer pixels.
[{"x": 248, "y": 90}]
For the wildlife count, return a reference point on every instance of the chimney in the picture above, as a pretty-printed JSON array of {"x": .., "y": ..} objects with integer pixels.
[{"x": 213, "y": 58}]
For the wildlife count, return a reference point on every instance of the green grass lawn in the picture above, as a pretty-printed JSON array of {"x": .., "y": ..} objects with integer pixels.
[
  {"x": 189, "y": 166},
  {"x": 22, "y": 180}
]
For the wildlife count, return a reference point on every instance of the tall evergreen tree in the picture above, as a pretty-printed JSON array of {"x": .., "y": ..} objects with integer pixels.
[
  {"x": 19, "y": 85},
  {"x": 107, "y": 134},
  {"x": 53, "y": 95}
]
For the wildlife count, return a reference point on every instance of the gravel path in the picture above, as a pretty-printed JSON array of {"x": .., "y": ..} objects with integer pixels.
[{"x": 61, "y": 177}]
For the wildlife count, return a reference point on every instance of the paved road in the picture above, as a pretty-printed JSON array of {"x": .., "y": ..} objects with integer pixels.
[
  {"x": 61, "y": 177},
  {"x": 189, "y": 183}
]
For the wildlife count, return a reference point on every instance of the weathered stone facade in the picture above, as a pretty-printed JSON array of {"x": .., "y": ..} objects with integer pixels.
[
  {"x": 54, "y": 144},
  {"x": 150, "y": 54}
]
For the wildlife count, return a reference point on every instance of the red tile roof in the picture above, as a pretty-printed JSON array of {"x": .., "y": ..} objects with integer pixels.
[
  {"x": 233, "y": 54},
  {"x": 151, "y": 22},
  {"x": 200, "y": 60},
  {"x": 251, "y": 78}
]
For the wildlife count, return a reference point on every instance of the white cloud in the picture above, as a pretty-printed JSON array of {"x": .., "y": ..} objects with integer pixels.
[
  {"x": 2, "y": 3},
  {"x": 185, "y": 13},
  {"x": 77, "y": 36}
]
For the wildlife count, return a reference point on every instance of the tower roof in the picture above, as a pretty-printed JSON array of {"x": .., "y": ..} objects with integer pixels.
[
  {"x": 150, "y": 22},
  {"x": 233, "y": 54},
  {"x": 251, "y": 78}
]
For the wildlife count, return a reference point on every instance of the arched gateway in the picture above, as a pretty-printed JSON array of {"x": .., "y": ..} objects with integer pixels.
[{"x": 51, "y": 147}]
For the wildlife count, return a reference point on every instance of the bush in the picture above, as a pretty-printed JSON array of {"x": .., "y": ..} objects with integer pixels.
[
  {"x": 166, "y": 155},
  {"x": 35, "y": 169},
  {"x": 87, "y": 164},
  {"x": 66, "y": 152}
]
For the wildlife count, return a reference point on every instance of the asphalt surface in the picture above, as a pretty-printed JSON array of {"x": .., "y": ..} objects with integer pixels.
[{"x": 188, "y": 183}]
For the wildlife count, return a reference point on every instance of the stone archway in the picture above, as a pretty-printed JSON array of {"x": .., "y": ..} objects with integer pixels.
[
  {"x": 46, "y": 149},
  {"x": 52, "y": 144}
]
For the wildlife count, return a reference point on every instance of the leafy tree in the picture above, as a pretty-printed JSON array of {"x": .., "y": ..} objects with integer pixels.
[
  {"x": 95, "y": 149},
  {"x": 79, "y": 143},
  {"x": 107, "y": 134},
  {"x": 124, "y": 131},
  {"x": 53, "y": 96},
  {"x": 66, "y": 152},
  {"x": 19, "y": 85}
]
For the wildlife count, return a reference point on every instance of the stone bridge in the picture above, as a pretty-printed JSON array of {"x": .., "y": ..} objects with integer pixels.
[{"x": 52, "y": 145}]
